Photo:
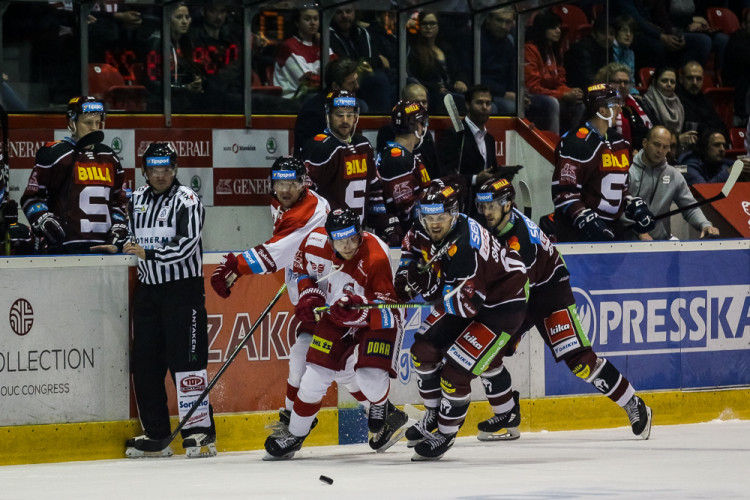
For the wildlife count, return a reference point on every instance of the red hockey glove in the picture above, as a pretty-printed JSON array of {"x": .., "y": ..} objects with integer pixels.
[
  {"x": 309, "y": 299},
  {"x": 225, "y": 275},
  {"x": 344, "y": 314}
]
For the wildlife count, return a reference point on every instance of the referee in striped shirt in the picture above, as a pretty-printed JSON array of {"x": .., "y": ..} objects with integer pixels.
[{"x": 169, "y": 320}]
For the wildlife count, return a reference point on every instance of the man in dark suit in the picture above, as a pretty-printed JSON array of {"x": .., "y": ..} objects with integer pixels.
[{"x": 471, "y": 153}]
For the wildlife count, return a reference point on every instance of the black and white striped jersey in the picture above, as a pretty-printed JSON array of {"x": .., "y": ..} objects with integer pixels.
[{"x": 169, "y": 227}]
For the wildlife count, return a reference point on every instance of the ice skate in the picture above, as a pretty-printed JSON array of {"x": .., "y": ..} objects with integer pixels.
[
  {"x": 283, "y": 423},
  {"x": 433, "y": 447},
  {"x": 145, "y": 447},
  {"x": 503, "y": 427},
  {"x": 282, "y": 446},
  {"x": 387, "y": 424},
  {"x": 200, "y": 445},
  {"x": 640, "y": 417},
  {"x": 423, "y": 428}
]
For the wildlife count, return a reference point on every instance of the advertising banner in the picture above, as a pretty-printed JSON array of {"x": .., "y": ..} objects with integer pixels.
[
  {"x": 667, "y": 320},
  {"x": 63, "y": 355},
  {"x": 249, "y": 148}
]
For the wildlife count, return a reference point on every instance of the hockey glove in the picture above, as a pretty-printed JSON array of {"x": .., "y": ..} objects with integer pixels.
[
  {"x": 401, "y": 284},
  {"x": 393, "y": 234},
  {"x": 225, "y": 275},
  {"x": 637, "y": 210},
  {"x": 49, "y": 226},
  {"x": 592, "y": 227},
  {"x": 10, "y": 212},
  {"x": 117, "y": 234},
  {"x": 426, "y": 283},
  {"x": 309, "y": 299},
  {"x": 344, "y": 314}
]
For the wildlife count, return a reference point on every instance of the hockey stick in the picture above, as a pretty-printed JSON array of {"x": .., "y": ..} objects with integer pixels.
[
  {"x": 89, "y": 139},
  {"x": 382, "y": 305},
  {"x": 423, "y": 268},
  {"x": 526, "y": 194},
  {"x": 5, "y": 172},
  {"x": 166, "y": 441},
  {"x": 734, "y": 174},
  {"x": 458, "y": 125}
]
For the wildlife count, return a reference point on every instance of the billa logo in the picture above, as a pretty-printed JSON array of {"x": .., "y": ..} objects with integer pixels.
[
  {"x": 271, "y": 145},
  {"x": 21, "y": 317}
]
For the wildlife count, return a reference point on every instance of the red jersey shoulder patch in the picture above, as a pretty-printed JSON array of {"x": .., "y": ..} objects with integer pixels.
[
  {"x": 396, "y": 152},
  {"x": 582, "y": 133},
  {"x": 321, "y": 137}
]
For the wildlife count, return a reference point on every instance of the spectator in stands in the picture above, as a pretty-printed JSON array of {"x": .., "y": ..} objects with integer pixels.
[
  {"x": 633, "y": 123},
  {"x": 658, "y": 41},
  {"x": 625, "y": 29},
  {"x": 297, "y": 68},
  {"x": 737, "y": 73},
  {"x": 685, "y": 19},
  {"x": 382, "y": 31},
  {"x": 708, "y": 162},
  {"x": 664, "y": 107},
  {"x": 112, "y": 30},
  {"x": 340, "y": 74},
  {"x": 659, "y": 184},
  {"x": 434, "y": 64},
  {"x": 217, "y": 48},
  {"x": 585, "y": 57},
  {"x": 349, "y": 39},
  {"x": 698, "y": 109},
  {"x": 554, "y": 105},
  {"x": 500, "y": 59},
  {"x": 415, "y": 92}
]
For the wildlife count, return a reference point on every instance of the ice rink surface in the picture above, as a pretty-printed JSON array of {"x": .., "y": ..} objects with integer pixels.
[{"x": 709, "y": 460}]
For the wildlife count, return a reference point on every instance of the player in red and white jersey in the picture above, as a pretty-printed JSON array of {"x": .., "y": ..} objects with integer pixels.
[
  {"x": 340, "y": 163},
  {"x": 590, "y": 181},
  {"x": 552, "y": 309},
  {"x": 75, "y": 197},
  {"x": 403, "y": 175},
  {"x": 296, "y": 211},
  {"x": 481, "y": 289},
  {"x": 358, "y": 347}
]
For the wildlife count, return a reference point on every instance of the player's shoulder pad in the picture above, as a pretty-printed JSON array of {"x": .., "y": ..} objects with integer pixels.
[
  {"x": 317, "y": 238},
  {"x": 187, "y": 196},
  {"x": 52, "y": 151}
]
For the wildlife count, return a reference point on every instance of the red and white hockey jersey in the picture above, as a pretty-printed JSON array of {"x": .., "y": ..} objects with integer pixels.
[
  {"x": 290, "y": 227},
  {"x": 367, "y": 274}
]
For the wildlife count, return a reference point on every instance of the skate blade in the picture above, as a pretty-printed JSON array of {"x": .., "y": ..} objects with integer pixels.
[
  {"x": 413, "y": 412},
  {"x": 270, "y": 458},
  {"x": 206, "y": 451},
  {"x": 419, "y": 458},
  {"x": 135, "y": 453},
  {"x": 510, "y": 434},
  {"x": 394, "y": 439},
  {"x": 646, "y": 430}
]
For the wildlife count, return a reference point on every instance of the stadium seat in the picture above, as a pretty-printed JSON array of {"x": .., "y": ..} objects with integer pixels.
[
  {"x": 722, "y": 19},
  {"x": 644, "y": 75},
  {"x": 575, "y": 24},
  {"x": 737, "y": 140},
  {"x": 107, "y": 84},
  {"x": 258, "y": 87},
  {"x": 722, "y": 99}
]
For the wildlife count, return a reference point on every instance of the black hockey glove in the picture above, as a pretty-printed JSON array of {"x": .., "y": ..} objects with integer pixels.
[
  {"x": 118, "y": 233},
  {"x": 49, "y": 226},
  {"x": 592, "y": 227},
  {"x": 10, "y": 212},
  {"x": 426, "y": 283},
  {"x": 393, "y": 234},
  {"x": 637, "y": 210}
]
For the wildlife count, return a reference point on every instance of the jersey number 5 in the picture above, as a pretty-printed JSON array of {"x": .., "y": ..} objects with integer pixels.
[{"x": 94, "y": 200}]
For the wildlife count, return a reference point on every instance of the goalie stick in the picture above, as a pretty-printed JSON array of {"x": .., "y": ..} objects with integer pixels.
[
  {"x": 166, "y": 441},
  {"x": 734, "y": 174},
  {"x": 458, "y": 125}
]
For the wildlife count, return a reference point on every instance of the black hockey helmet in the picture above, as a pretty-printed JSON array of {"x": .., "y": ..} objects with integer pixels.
[
  {"x": 84, "y": 104},
  {"x": 438, "y": 199},
  {"x": 601, "y": 95},
  {"x": 159, "y": 154},
  {"x": 342, "y": 223},
  {"x": 496, "y": 190},
  {"x": 406, "y": 115},
  {"x": 288, "y": 168},
  {"x": 341, "y": 99}
]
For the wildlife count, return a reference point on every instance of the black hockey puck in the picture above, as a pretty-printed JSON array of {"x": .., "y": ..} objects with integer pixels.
[{"x": 326, "y": 479}]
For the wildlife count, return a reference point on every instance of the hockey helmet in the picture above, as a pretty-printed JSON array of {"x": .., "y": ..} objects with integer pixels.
[
  {"x": 406, "y": 115},
  {"x": 342, "y": 223},
  {"x": 159, "y": 154},
  {"x": 341, "y": 99},
  {"x": 602, "y": 95},
  {"x": 288, "y": 168},
  {"x": 84, "y": 104},
  {"x": 438, "y": 199},
  {"x": 500, "y": 190}
]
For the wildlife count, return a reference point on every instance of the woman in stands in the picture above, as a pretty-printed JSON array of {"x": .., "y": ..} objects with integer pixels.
[
  {"x": 297, "y": 68},
  {"x": 554, "y": 105},
  {"x": 664, "y": 107}
]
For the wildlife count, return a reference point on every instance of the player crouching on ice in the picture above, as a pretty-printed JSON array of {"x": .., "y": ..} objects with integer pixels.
[
  {"x": 358, "y": 347},
  {"x": 552, "y": 310}
]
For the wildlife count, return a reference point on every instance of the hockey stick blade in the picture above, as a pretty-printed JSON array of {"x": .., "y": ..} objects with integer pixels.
[
  {"x": 166, "y": 441},
  {"x": 89, "y": 139},
  {"x": 734, "y": 174},
  {"x": 526, "y": 194},
  {"x": 450, "y": 105}
]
